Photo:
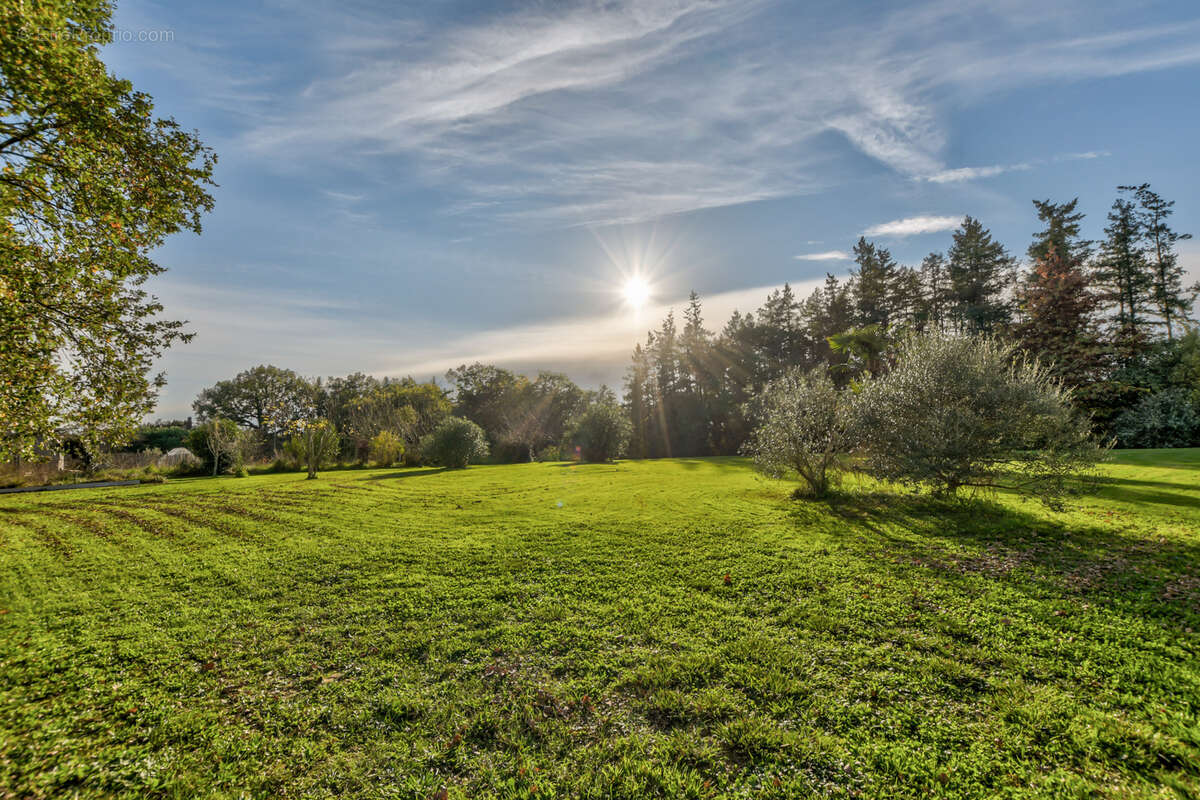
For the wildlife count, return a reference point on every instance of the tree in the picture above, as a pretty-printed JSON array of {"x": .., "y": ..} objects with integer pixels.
[
  {"x": 159, "y": 436},
  {"x": 872, "y": 284},
  {"x": 218, "y": 444},
  {"x": 91, "y": 183},
  {"x": 601, "y": 432},
  {"x": 1061, "y": 233},
  {"x": 1125, "y": 275},
  {"x": 386, "y": 448},
  {"x": 967, "y": 411},
  {"x": 1185, "y": 373},
  {"x": 1171, "y": 300},
  {"x": 1058, "y": 322},
  {"x": 863, "y": 349},
  {"x": 407, "y": 408},
  {"x": 314, "y": 442},
  {"x": 338, "y": 396},
  {"x": 487, "y": 395},
  {"x": 806, "y": 429},
  {"x": 266, "y": 398},
  {"x": 938, "y": 293},
  {"x": 980, "y": 270},
  {"x": 1165, "y": 419},
  {"x": 455, "y": 443},
  {"x": 638, "y": 402}
]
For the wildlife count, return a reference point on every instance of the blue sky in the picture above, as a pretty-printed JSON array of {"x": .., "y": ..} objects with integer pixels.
[{"x": 407, "y": 186}]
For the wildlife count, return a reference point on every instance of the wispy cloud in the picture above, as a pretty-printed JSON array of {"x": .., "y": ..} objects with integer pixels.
[
  {"x": 828, "y": 255},
  {"x": 595, "y": 112},
  {"x": 961, "y": 174},
  {"x": 912, "y": 226}
]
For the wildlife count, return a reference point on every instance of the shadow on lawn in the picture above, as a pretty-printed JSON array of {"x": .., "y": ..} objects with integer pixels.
[
  {"x": 974, "y": 539},
  {"x": 1108, "y": 480},
  {"x": 1130, "y": 495},
  {"x": 408, "y": 473}
]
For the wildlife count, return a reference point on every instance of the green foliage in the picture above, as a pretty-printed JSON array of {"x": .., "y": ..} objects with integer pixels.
[
  {"x": 966, "y": 411},
  {"x": 91, "y": 184},
  {"x": 455, "y": 443},
  {"x": 979, "y": 270},
  {"x": 313, "y": 444},
  {"x": 266, "y": 398},
  {"x": 1185, "y": 373},
  {"x": 862, "y": 349},
  {"x": 159, "y": 437},
  {"x": 601, "y": 432},
  {"x": 386, "y": 448},
  {"x": 520, "y": 416},
  {"x": 1169, "y": 418},
  {"x": 491, "y": 630},
  {"x": 807, "y": 429},
  {"x": 410, "y": 409},
  {"x": 217, "y": 443}
]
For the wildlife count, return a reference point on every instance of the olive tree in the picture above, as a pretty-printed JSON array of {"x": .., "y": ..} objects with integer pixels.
[
  {"x": 314, "y": 443},
  {"x": 601, "y": 432},
  {"x": 455, "y": 443},
  {"x": 970, "y": 411},
  {"x": 806, "y": 430}
]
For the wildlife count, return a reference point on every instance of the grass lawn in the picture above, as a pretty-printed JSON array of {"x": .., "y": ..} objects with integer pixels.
[{"x": 646, "y": 629}]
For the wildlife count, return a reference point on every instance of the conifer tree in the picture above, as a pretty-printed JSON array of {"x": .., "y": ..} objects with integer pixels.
[
  {"x": 935, "y": 276},
  {"x": 980, "y": 270},
  {"x": 1124, "y": 274},
  {"x": 1058, "y": 322},
  {"x": 1171, "y": 301},
  {"x": 872, "y": 284},
  {"x": 1061, "y": 233}
]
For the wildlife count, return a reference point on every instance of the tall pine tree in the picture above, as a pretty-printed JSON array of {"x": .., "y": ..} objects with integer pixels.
[
  {"x": 1124, "y": 274},
  {"x": 980, "y": 272},
  {"x": 1171, "y": 301},
  {"x": 872, "y": 284}
]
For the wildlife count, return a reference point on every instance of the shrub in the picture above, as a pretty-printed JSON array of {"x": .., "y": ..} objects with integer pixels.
[
  {"x": 966, "y": 412},
  {"x": 806, "y": 430},
  {"x": 549, "y": 453},
  {"x": 455, "y": 443},
  {"x": 602, "y": 432},
  {"x": 1166, "y": 419},
  {"x": 386, "y": 448}
]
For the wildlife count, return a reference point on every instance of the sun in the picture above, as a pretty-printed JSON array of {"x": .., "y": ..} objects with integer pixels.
[{"x": 636, "y": 292}]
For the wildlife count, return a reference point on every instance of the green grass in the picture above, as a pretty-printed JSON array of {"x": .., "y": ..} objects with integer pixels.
[{"x": 569, "y": 631}]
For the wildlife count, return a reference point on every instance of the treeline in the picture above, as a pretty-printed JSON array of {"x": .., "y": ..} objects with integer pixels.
[
  {"x": 1110, "y": 319},
  {"x": 523, "y": 419}
]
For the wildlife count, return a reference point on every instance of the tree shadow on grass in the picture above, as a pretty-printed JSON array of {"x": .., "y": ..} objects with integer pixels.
[
  {"x": 985, "y": 539},
  {"x": 1128, "y": 495},
  {"x": 1109, "y": 480},
  {"x": 408, "y": 473}
]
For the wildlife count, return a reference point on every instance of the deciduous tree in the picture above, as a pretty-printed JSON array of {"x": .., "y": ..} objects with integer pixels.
[{"x": 91, "y": 183}]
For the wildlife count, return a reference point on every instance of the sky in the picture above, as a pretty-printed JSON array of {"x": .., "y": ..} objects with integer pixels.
[{"x": 408, "y": 186}]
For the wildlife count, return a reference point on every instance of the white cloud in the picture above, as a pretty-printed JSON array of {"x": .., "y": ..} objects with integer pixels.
[
  {"x": 961, "y": 174},
  {"x": 829, "y": 255},
  {"x": 912, "y": 226},
  {"x": 595, "y": 112},
  {"x": 1088, "y": 156}
]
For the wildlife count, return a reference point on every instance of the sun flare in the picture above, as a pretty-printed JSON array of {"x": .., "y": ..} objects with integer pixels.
[{"x": 636, "y": 292}]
